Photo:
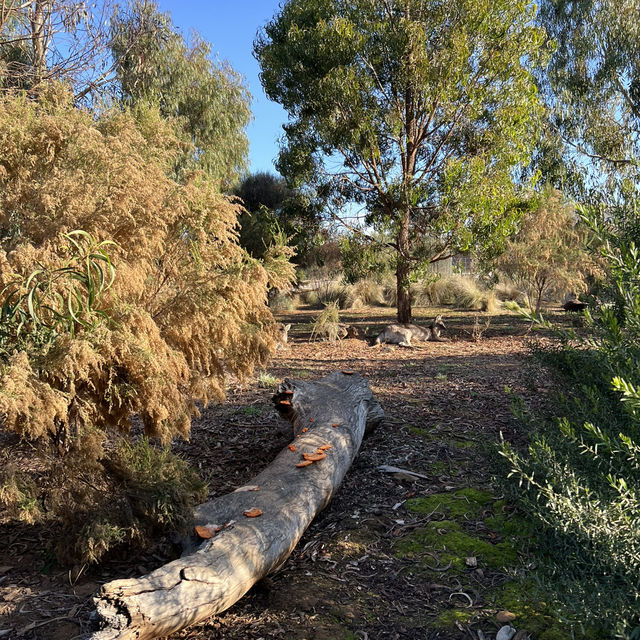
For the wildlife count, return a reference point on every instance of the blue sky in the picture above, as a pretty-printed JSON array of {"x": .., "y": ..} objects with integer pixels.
[{"x": 231, "y": 28}]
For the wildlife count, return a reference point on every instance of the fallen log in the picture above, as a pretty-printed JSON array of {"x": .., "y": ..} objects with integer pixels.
[{"x": 252, "y": 531}]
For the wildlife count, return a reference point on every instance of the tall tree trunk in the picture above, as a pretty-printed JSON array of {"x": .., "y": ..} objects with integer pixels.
[
  {"x": 39, "y": 39},
  {"x": 403, "y": 270}
]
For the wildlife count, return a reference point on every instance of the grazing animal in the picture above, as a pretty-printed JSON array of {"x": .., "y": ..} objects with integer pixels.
[
  {"x": 283, "y": 336},
  {"x": 403, "y": 334},
  {"x": 574, "y": 305}
]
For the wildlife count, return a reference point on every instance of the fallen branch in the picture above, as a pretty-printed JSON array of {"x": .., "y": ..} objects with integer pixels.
[
  {"x": 329, "y": 417},
  {"x": 385, "y": 468}
]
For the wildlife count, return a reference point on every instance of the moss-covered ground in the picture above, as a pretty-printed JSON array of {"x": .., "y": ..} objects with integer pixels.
[{"x": 473, "y": 531}]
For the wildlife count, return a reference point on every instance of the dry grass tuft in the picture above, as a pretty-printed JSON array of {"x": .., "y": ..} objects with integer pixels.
[
  {"x": 458, "y": 291},
  {"x": 363, "y": 293},
  {"x": 327, "y": 325}
]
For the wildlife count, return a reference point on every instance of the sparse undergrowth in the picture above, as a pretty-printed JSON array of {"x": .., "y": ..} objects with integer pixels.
[{"x": 133, "y": 494}]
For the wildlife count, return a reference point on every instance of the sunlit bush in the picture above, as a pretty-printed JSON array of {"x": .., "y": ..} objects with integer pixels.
[
  {"x": 124, "y": 292},
  {"x": 579, "y": 477}
]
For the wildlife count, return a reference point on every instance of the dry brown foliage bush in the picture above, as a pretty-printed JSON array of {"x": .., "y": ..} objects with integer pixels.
[{"x": 186, "y": 308}]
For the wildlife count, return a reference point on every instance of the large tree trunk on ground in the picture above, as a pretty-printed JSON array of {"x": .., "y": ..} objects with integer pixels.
[{"x": 332, "y": 411}]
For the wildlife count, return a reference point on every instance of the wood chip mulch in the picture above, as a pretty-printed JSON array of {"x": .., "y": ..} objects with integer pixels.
[{"x": 344, "y": 576}]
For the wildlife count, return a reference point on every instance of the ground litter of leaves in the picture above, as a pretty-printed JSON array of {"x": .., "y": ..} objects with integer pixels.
[{"x": 360, "y": 570}]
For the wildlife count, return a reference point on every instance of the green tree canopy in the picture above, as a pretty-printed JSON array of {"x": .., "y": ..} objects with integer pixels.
[
  {"x": 276, "y": 213},
  {"x": 418, "y": 111},
  {"x": 154, "y": 62},
  {"x": 593, "y": 81}
]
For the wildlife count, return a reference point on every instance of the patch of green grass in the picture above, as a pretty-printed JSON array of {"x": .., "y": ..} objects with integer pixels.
[
  {"x": 449, "y": 617},
  {"x": 419, "y": 431},
  {"x": 439, "y": 467},
  {"x": 267, "y": 381},
  {"x": 464, "y": 444},
  {"x": 453, "y": 544},
  {"x": 511, "y": 525},
  {"x": 251, "y": 410},
  {"x": 448, "y": 538},
  {"x": 476, "y": 495},
  {"x": 454, "y": 505},
  {"x": 302, "y": 374}
]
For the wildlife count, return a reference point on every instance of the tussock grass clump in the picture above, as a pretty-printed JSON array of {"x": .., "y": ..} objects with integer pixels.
[
  {"x": 389, "y": 292},
  {"x": 457, "y": 291},
  {"x": 326, "y": 293},
  {"x": 310, "y": 298},
  {"x": 327, "y": 325},
  {"x": 489, "y": 302},
  {"x": 363, "y": 293},
  {"x": 333, "y": 293},
  {"x": 453, "y": 290}
]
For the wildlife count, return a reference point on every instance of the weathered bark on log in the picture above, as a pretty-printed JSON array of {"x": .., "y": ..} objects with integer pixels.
[{"x": 333, "y": 411}]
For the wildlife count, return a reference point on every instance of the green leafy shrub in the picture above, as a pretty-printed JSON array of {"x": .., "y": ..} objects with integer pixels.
[
  {"x": 365, "y": 259},
  {"x": 579, "y": 477}
]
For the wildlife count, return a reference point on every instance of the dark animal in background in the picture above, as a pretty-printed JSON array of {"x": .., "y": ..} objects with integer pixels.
[{"x": 574, "y": 305}]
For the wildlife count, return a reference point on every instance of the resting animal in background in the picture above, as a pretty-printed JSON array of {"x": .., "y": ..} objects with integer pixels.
[
  {"x": 351, "y": 331},
  {"x": 402, "y": 334},
  {"x": 574, "y": 305},
  {"x": 283, "y": 336}
]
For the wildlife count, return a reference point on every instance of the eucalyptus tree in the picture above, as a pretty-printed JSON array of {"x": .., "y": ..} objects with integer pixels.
[
  {"x": 593, "y": 81},
  {"x": 55, "y": 40},
  {"x": 155, "y": 63},
  {"x": 416, "y": 110}
]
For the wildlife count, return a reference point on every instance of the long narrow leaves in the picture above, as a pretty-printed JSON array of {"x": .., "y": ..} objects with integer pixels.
[{"x": 56, "y": 299}]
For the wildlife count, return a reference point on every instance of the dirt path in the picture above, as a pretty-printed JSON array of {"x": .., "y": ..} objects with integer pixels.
[
  {"x": 388, "y": 558},
  {"x": 393, "y": 556}
]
